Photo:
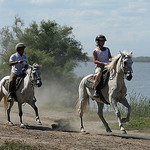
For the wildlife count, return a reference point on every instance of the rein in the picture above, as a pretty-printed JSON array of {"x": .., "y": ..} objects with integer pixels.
[{"x": 30, "y": 77}]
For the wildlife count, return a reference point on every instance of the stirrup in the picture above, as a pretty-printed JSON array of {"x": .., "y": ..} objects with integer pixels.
[
  {"x": 96, "y": 95},
  {"x": 10, "y": 98}
]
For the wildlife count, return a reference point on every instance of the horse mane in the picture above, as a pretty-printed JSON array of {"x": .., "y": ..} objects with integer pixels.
[
  {"x": 112, "y": 65},
  {"x": 35, "y": 65}
]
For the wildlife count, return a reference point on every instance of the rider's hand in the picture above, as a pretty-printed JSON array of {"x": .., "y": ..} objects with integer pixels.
[
  {"x": 23, "y": 69},
  {"x": 20, "y": 61}
]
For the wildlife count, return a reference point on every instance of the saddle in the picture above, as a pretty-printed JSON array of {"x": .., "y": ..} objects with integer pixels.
[
  {"x": 104, "y": 79},
  {"x": 18, "y": 81}
]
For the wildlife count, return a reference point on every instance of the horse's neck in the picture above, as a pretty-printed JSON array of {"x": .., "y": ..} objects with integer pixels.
[
  {"x": 118, "y": 73},
  {"x": 27, "y": 83}
]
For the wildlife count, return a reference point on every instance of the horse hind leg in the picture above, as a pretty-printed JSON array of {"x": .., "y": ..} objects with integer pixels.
[
  {"x": 8, "y": 112},
  {"x": 81, "y": 108},
  {"x": 100, "y": 114},
  {"x": 82, "y": 101}
]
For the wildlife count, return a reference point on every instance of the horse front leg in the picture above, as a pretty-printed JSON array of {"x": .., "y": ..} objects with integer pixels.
[
  {"x": 8, "y": 112},
  {"x": 32, "y": 104},
  {"x": 100, "y": 114},
  {"x": 126, "y": 104},
  {"x": 20, "y": 114},
  {"x": 114, "y": 105}
]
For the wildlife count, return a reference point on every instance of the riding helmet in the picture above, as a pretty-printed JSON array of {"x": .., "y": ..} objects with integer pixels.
[
  {"x": 100, "y": 38},
  {"x": 19, "y": 45}
]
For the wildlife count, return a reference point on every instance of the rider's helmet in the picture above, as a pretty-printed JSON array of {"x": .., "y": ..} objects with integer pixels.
[
  {"x": 19, "y": 45},
  {"x": 100, "y": 38}
]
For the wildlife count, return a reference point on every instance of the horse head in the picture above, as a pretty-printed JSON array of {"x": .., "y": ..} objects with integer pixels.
[
  {"x": 35, "y": 75},
  {"x": 126, "y": 65}
]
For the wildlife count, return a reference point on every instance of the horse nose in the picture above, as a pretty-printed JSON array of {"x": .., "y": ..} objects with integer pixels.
[
  {"x": 129, "y": 77},
  {"x": 39, "y": 83}
]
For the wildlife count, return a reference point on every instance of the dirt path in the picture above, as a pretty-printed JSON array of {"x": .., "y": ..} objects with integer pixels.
[{"x": 67, "y": 135}]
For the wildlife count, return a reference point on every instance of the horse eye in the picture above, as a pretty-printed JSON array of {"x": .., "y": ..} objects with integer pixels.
[
  {"x": 125, "y": 63},
  {"x": 33, "y": 72}
]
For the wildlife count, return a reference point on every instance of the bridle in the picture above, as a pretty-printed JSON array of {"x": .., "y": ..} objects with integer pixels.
[
  {"x": 126, "y": 64},
  {"x": 34, "y": 76}
]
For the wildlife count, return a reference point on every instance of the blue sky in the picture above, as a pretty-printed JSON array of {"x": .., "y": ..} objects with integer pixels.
[{"x": 125, "y": 23}]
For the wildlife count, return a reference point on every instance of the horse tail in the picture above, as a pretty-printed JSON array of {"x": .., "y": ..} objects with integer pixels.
[
  {"x": 5, "y": 103},
  {"x": 81, "y": 105},
  {"x": 83, "y": 99}
]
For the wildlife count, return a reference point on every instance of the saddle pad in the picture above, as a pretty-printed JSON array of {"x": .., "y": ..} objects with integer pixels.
[
  {"x": 89, "y": 82},
  {"x": 18, "y": 81}
]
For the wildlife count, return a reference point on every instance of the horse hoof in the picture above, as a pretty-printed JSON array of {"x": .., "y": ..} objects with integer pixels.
[
  {"x": 124, "y": 120},
  {"x": 10, "y": 123},
  {"x": 123, "y": 132},
  {"x": 108, "y": 130},
  {"x": 22, "y": 125},
  {"x": 39, "y": 122},
  {"x": 82, "y": 130}
]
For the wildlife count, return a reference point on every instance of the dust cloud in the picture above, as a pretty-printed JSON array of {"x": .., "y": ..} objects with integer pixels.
[{"x": 55, "y": 93}]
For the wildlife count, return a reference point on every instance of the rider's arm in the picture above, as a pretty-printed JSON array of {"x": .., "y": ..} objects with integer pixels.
[
  {"x": 96, "y": 61},
  {"x": 15, "y": 62},
  {"x": 109, "y": 55}
]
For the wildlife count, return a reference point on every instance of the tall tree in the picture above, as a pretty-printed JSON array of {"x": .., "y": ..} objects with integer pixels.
[{"x": 48, "y": 43}]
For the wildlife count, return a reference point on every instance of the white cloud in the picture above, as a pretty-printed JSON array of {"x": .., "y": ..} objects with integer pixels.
[
  {"x": 85, "y": 4},
  {"x": 89, "y": 12},
  {"x": 142, "y": 10},
  {"x": 125, "y": 23},
  {"x": 41, "y": 1}
]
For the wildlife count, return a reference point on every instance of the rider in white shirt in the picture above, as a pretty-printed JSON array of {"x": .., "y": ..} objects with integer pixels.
[
  {"x": 101, "y": 57},
  {"x": 19, "y": 63}
]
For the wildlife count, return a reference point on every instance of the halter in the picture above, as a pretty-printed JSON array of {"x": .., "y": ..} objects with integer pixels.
[
  {"x": 34, "y": 77},
  {"x": 126, "y": 64}
]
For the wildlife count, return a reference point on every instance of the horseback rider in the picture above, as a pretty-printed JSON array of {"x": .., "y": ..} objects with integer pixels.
[
  {"x": 101, "y": 57},
  {"x": 19, "y": 63}
]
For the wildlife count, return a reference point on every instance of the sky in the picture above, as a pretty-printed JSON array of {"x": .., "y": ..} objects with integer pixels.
[{"x": 125, "y": 23}]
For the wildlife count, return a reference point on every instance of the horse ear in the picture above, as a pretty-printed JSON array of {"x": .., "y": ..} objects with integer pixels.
[
  {"x": 122, "y": 54},
  {"x": 40, "y": 66},
  {"x": 131, "y": 53},
  {"x": 37, "y": 65},
  {"x": 29, "y": 66}
]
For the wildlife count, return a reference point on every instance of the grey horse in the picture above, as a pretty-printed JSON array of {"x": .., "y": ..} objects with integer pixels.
[
  {"x": 113, "y": 92},
  {"x": 24, "y": 93}
]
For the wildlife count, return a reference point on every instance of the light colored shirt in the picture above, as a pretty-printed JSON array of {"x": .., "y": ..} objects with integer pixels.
[
  {"x": 17, "y": 68},
  {"x": 102, "y": 56}
]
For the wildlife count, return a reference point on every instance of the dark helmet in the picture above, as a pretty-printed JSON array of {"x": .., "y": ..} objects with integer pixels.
[
  {"x": 19, "y": 45},
  {"x": 100, "y": 38}
]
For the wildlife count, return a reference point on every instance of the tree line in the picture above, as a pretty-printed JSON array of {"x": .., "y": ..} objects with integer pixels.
[
  {"x": 48, "y": 43},
  {"x": 135, "y": 59}
]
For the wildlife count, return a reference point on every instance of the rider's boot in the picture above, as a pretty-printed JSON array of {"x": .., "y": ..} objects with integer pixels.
[
  {"x": 96, "y": 92},
  {"x": 12, "y": 96}
]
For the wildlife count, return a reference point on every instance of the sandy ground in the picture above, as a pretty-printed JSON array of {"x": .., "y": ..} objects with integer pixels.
[{"x": 66, "y": 135}]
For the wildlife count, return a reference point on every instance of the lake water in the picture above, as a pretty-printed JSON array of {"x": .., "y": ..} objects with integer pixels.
[{"x": 140, "y": 83}]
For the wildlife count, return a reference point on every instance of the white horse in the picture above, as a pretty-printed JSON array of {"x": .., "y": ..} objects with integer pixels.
[
  {"x": 113, "y": 92},
  {"x": 24, "y": 93}
]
